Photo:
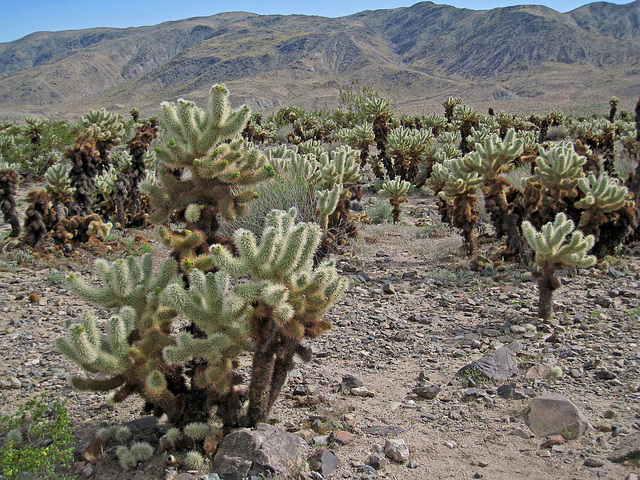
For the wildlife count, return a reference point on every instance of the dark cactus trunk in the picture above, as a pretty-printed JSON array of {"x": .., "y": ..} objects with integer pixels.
[{"x": 547, "y": 284}]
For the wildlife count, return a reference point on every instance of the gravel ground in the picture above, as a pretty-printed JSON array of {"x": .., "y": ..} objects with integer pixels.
[{"x": 413, "y": 316}]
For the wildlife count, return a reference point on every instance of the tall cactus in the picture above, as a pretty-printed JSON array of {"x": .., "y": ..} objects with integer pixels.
[
  {"x": 9, "y": 180},
  {"x": 377, "y": 112},
  {"x": 106, "y": 129},
  {"x": 458, "y": 198},
  {"x": 553, "y": 251},
  {"x": 492, "y": 158},
  {"x": 220, "y": 165},
  {"x": 407, "y": 148},
  {"x": 266, "y": 299},
  {"x": 608, "y": 212},
  {"x": 553, "y": 188}
]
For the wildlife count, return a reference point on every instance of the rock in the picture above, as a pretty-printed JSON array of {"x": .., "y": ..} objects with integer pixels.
[
  {"x": 519, "y": 432},
  {"x": 10, "y": 383},
  {"x": 498, "y": 365},
  {"x": 383, "y": 430},
  {"x": 540, "y": 372},
  {"x": 604, "y": 374},
  {"x": 348, "y": 382},
  {"x": 593, "y": 462},
  {"x": 266, "y": 449},
  {"x": 396, "y": 450},
  {"x": 324, "y": 462},
  {"x": 427, "y": 392},
  {"x": 552, "y": 441},
  {"x": 361, "y": 392},
  {"x": 629, "y": 447},
  {"x": 554, "y": 414},
  {"x": 341, "y": 437},
  {"x": 377, "y": 461}
]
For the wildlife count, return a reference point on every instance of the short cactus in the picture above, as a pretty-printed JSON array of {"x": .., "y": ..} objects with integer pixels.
[
  {"x": 396, "y": 192},
  {"x": 552, "y": 252}
]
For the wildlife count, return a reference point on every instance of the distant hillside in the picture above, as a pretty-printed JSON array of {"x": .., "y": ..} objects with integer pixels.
[{"x": 514, "y": 58}]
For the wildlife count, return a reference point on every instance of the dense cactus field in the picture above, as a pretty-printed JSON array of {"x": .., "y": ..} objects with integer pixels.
[{"x": 223, "y": 240}]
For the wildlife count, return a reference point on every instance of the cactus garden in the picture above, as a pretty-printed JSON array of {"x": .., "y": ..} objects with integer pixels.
[{"x": 334, "y": 276}]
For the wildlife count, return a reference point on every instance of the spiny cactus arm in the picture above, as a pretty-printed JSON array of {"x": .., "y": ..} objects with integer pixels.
[
  {"x": 94, "y": 352},
  {"x": 494, "y": 156},
  {"x": 550, "y": 247},
  {"x": 97, "y": 296},
  {"x": 395, "y": 189},
  {"x": 327, "y": 202},
  {"x": 603, "y": 193},
  {"x": 219, "y": 113},
  {"x": 559, "y": 167}
]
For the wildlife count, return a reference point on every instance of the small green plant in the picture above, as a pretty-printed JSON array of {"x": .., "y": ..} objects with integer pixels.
[
  {"x": 379, "y": 211},
  {"x": 38, "y": 440}
]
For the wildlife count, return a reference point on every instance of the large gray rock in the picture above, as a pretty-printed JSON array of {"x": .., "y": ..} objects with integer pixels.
[
  {"x": 267, "y": 450},
  {"x": 629, "y": 447},
  {"x": 499, "y": 365},
  {"x": 554, "y": 414}
]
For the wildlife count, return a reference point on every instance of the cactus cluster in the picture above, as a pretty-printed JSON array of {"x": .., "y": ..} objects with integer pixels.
[{"x": 281, "y": 300}]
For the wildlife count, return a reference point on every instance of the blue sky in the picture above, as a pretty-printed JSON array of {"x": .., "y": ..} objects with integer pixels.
[{"x": 22, "y": 17}]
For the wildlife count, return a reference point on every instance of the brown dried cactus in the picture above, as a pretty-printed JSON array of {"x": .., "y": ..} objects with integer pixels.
[
  {"x": 9, "y": 180},
  {"x": 86, "y": 162},
  {"x": 39, "y": 218}
]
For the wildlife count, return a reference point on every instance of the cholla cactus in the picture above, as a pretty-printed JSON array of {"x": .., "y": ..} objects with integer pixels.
[
  {"x": 613, "y": 106},
  {"x": 218, "y": 173},
  {"x": 396, "y": 191},
  {"x": 407, "y": 148},
  {"x": 491, "y": 159},
  {"x": 86, "y": 164},
  {"x": 467, "y": 119},
  {"x": 554, "y": 184},
  {"x": 58, "y": 185},
  {"x": 360, "y": 137},
  {"x": 285, "y": 301},
  {"x": 328, "y": 202},
  {"x": 608, "y": 212},
  {"x": 552, "y": 252},
  {"x": 494, "y": 156},
  {"x": 106, "y": 129},
  {"x": 337, "y": 166},
  {"x": 128, "y": 356},
  {"x": 458, "y": 197},
  {"x": 437, "y": 123},
  {"x": 449, "y": 104},
  {"x": 39, "y": 218},
  {"x": 279, "y": 299},
  {"x": 377, "y": 112},
  {"x": 9, "y": 180}
]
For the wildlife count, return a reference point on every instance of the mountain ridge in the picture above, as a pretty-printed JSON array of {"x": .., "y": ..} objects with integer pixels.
[{"x": 522, "y": 57}]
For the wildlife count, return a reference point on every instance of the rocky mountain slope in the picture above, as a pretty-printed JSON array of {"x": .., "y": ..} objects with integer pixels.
[{"x": 522, "y": 57}]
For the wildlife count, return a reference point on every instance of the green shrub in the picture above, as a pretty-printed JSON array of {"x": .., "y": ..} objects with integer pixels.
[
  {"x": 47, "y": 440},
  {"x": 379, "y": 211}
]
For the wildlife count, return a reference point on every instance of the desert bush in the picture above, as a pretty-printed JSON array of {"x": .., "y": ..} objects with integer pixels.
[{"x": 38, "y": 440}]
